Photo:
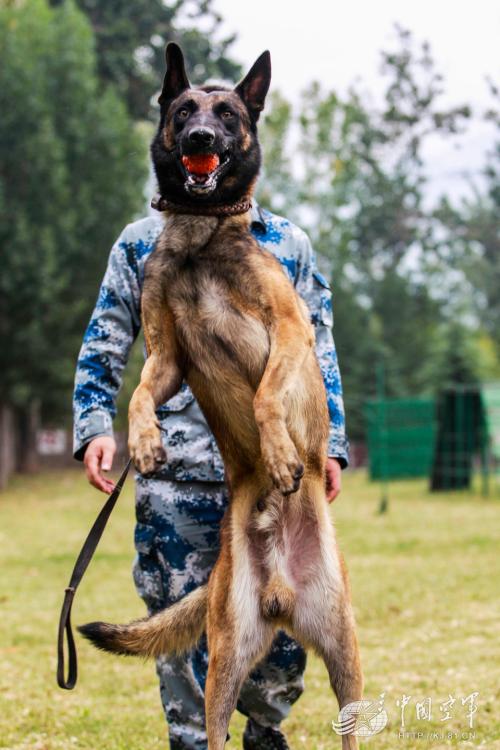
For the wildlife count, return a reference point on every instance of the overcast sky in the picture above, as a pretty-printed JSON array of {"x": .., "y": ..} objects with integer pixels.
[{"x": 336, "y": 43}]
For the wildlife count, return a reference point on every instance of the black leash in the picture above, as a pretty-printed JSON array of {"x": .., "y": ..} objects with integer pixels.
[{"x": 81, "y": 565}]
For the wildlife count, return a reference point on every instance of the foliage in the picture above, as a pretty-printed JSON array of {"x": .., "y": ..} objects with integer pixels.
[
  {"x": 130, "y": 41},
  {"x": 72, "y": 170},
  {"x": 277, "y": 188},
  {"x": 399, "y": 300},
  {"x": 473, "y": 235}
]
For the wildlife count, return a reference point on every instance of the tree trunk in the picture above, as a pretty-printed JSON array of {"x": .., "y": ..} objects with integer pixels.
[
  {"x": 28, "y": 424},
  {"x": 7, "y": 444}
]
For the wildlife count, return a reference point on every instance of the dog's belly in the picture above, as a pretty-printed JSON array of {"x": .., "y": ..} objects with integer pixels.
[
  {"x": 285, "y": 540},
  {"x": 293, "y": 557}
]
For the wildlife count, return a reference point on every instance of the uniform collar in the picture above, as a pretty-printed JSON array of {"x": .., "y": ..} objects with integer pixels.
[{"x": 257, "y": 217}]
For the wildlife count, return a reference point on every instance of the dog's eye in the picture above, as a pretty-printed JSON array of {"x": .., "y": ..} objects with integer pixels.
[
  {"x": 227, "y": 114},
  {"x": 183, "y": 113}
]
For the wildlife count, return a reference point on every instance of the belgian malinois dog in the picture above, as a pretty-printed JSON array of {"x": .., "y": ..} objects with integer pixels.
[{"x": 219, "y": 312}]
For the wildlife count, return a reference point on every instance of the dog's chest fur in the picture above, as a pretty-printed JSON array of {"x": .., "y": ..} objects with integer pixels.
[{"x": 214, "y": 296}]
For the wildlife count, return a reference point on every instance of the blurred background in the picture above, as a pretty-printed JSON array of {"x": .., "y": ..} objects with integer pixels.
[{"x": 381, "y": 138}]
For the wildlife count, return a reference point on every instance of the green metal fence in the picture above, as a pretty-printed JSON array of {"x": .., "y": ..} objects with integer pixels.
[
  {"x": 446, "y": 439},
  {"x": 401, "y": 435}
]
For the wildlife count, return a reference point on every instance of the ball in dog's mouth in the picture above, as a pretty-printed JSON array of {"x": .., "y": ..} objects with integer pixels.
[
  {"x": 201, "y": 164},
  {"x": 202, "y": 171}
]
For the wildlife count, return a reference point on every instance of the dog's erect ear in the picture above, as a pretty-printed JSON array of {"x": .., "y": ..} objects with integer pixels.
[
  {"x": 176, "y": 80},
  {"x": 255, "y": 85}
]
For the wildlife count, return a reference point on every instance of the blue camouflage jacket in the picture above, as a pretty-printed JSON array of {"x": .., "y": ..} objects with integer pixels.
[{"x": 115, "y": 323}]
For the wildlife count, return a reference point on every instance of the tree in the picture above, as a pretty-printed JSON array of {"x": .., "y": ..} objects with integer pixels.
[
  {"x": 472, "y": 231},
  {"x": 72, "y": 171},
  {"x": 362, "y": 178},
  {"x": 277, "y": 188},
  {"x": 130, "y": 41}
]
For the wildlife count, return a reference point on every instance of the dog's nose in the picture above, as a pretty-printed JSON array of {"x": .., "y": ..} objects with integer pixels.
[{"x": 202, "y": 136}]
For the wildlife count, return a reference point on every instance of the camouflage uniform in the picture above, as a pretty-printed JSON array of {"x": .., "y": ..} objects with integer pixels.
[{"x": 180, "y": 509}]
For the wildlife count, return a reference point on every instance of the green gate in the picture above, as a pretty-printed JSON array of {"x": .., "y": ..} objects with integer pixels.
[
  {"x": 462, "y": 437},
  {"x": 491, "y": 400},
  {"x": 401, "y": 435}
]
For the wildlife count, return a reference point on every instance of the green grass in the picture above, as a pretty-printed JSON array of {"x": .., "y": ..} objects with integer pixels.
[{"x": 425, "y": 580}]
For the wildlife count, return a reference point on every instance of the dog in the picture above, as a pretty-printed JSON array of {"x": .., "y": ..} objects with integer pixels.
[{"x": 219, "y": 312}]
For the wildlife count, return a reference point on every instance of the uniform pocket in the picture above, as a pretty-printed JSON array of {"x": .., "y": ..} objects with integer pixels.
[
  {"x": 321, "y": 280},
  {"x": 217, "y": 461},
  {"x": 143, "y": 538},
  {"x": 147, "y": 570},
  {"x": 323, "y": 290}
]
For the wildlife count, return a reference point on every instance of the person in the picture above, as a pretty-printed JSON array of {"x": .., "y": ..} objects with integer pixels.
[{"x": 179, "y": 509}]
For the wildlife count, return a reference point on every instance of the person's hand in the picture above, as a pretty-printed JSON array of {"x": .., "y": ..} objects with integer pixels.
[
  {"x": 98, "y": 458},
  {"x": 333, "y": 479}
]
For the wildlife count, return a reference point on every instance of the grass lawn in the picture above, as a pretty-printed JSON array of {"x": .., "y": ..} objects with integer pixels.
[{"x": 425, "y": 580}]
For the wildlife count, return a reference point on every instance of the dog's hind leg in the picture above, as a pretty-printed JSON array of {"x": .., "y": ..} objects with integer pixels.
[
  {"x": 232, "y": 653},
  {"x": 339, "y": 650},
  {"x": 238, "y": 635},
  {"x": 323, "y": 616},
  {"x": 330, "y": 629}
]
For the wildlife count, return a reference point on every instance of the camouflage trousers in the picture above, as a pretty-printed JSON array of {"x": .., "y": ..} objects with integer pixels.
[{"x": 177, "y": 543}]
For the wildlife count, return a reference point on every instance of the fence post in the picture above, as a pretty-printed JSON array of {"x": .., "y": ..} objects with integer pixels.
[{"x": 384, "y": 498}]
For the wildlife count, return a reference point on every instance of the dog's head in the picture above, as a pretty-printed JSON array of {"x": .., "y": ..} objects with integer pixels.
[{"x": 206, "y": 149}]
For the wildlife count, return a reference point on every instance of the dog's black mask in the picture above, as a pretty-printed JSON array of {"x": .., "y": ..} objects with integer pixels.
[{"x": 206, "y": 149}]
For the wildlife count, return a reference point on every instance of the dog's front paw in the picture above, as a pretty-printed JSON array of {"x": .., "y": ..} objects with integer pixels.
[
  {"x": 147, "y": 451},
  {"x": 283, "y": 464}
]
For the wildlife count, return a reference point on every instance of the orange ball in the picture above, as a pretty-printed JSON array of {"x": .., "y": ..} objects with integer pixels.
[{"x": 201, "y": 163}]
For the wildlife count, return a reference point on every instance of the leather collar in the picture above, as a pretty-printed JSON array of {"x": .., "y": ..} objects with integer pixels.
[{"x": 223, "y": 209}]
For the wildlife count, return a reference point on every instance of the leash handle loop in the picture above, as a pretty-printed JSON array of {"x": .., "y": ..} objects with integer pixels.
[{"x": 81, "y": 565}]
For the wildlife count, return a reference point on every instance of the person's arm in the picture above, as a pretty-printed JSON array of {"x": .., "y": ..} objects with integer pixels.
[
  {"x": 315, "y": 291},
  {"x": 112, "y": 329}
]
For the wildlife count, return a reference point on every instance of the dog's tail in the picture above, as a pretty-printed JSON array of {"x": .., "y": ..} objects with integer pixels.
[{"x": 173, "y": 630}]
